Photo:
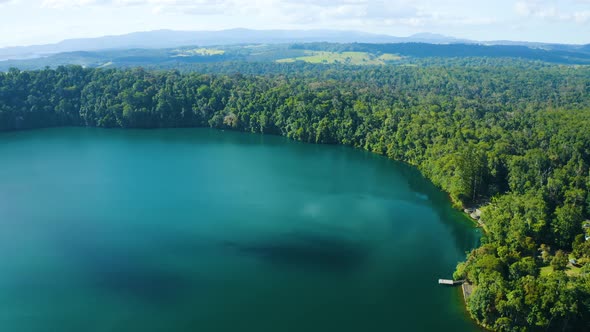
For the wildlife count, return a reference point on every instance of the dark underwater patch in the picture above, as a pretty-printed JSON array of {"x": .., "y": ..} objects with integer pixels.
[
  {"x": 308, "y": 251},
  {"x": 137, "y": 280},
  {"x": 107, "y": 264}
]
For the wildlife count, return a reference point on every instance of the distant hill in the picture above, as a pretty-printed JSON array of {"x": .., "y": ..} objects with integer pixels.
[
  {"x": 319, "y": 52},
  {"x": 563, "y": 55},
  {"x": 169, "y": 39},
  {"x": 160, "y": 39}
]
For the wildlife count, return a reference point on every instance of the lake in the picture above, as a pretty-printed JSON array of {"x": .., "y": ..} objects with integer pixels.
[{"x": 205, "y": 230}]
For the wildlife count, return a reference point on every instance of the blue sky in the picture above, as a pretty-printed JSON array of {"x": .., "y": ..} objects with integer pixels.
[{"x": 25, "y": 22}]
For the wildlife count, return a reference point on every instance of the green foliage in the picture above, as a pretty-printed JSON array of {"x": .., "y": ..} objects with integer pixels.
[
  {"x": 239, "y": 58},
  {"x": 581, "y": 250},
  {"x": 559, "y": 261},
  {"x": 471, "y": 167},
  {"x": 567, "y": 224},
  {"x": 524, "y": 267},
  {"x": 512, "y": 133}
]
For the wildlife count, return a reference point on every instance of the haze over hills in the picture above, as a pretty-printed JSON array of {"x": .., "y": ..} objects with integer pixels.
[{"x": 169, "y": 38}]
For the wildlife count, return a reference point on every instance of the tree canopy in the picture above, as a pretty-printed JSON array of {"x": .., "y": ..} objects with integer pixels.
[{"x": 514, "y": 135}]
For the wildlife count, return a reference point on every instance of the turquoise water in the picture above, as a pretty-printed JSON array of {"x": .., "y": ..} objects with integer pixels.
[{"x": 204, "y": 230}]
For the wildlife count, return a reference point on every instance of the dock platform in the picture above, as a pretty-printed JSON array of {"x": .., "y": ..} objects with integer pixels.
[{"x": 450, "y": 282}]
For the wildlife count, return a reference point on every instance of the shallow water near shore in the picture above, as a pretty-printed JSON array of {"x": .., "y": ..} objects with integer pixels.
[{"x": 205, "y": 230}]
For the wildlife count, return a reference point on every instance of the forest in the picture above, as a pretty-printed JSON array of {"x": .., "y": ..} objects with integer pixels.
[
  {"x": 510, "y": 136},
  {"x": 199, "y": 57}
]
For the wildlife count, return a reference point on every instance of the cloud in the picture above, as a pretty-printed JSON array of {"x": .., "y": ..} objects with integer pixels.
[
  {"x": 69, "y": 3},
  {"x": 549, "y": 10},
  {"x": 328, "y": 12},
  {"x": 194, "y": 7},
  {"x": 372, "y": 12},
  {"x": 582, "y": 16},
  {"x": 198, "y": 7}
]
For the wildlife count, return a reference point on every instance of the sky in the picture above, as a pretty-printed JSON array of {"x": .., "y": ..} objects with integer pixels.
[{"x": 29, "y": 22}]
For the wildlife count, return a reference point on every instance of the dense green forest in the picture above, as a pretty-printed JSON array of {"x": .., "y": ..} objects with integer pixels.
[
  {"x": 199, "y": 57},
  {"x": 512, "y": 136}
]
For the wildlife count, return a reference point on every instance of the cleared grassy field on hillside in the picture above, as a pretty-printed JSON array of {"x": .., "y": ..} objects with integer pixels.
[{"x": 351, "y": 58}]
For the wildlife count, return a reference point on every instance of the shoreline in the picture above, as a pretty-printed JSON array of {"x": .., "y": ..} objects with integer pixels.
[{"x": 454, "y": 204}]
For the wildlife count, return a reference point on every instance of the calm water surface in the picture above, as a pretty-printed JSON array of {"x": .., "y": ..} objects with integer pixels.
[{"x": 203, "y": 230}]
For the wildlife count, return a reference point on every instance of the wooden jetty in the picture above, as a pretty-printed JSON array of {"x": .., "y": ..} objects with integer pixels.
[{"x": 450, "y": 282}]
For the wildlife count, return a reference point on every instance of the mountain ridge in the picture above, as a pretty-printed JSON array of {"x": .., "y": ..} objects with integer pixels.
[{"x": 165, "y": 38}]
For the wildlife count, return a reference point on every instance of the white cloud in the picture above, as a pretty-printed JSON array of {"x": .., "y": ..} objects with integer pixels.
[
  {"x": 68, "y": 3},
  {"x": 582, "y": 16},
  {"x": 40, "y": 21},
  {"x": 155, "y": 3},
  {"x": 356, "y": 12},
  {"x": 554, "y": 11},
  {"x": 199, "y": 7}
]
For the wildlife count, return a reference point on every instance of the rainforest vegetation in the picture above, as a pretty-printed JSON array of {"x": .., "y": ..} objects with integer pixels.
[{"x": 513, "y": 137}]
